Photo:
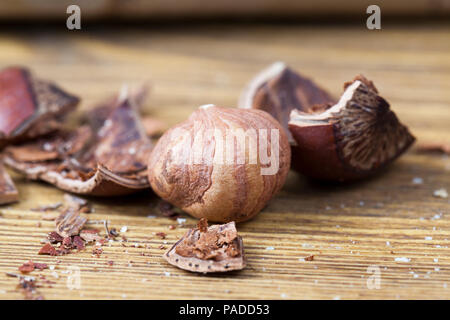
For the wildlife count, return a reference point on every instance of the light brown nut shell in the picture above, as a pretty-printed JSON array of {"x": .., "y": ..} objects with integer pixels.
[{"x": 220, "y": 192}]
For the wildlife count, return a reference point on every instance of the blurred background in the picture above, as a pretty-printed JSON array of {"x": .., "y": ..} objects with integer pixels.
[
  {"x": 170, "y": 9},
  {"x": 195, "y": 52}
]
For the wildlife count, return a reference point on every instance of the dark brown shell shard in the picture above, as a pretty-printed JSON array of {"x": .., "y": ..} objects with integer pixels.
[
  {"x": 353, "y": 139},
  {"x": 279, "y": 90},
  {"x": 106, "y": 160},
  {"x": 8, "y": 191},
  {"x": 216, "y": 249},
  {"x": 30, "y": 107},
  {"x": 48, "y": 249}
]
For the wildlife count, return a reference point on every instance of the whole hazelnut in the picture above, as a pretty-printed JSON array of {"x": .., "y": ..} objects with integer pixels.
[{"x": 222, "y": 164}]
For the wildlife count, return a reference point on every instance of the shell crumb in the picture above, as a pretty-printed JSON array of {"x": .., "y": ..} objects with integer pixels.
[{"x": 440, "y": 193}]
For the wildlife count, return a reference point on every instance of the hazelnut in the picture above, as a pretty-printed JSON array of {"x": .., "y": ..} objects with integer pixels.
[
  {"x": 279, "y": 90},
  {"x": 222, "y": 164},
  {"x": 353, "y": 139}
]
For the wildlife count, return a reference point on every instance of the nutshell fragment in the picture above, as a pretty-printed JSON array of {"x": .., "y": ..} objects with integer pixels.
[
  {"x": 90, "y": 235},
  {"x": 217, "y": 248},
  {"x": 8, "y": 191},
  {"x": 70, "y": 223},
  {"x": 30, "y": 266},
  {"x": 48, "y": 249},
  {"x": 27, "y": 267},
  {"x": 77, "y": 203},
  {"x": 279, "y": 90},
  {"x": 30, "y": 107},
  {"x": 355, "y": 138},
  {"x": 106, "y": 157},
  {"x": 54, "y": 237},
  {"x": 434, "y": 148},
  {"x": 99, "y": 113},
  {"x": 47, "y": 207}
]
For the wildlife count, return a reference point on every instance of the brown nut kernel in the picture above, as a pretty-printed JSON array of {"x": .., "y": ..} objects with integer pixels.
[
  {"x": 351, "y": 140},
  {"x": 279, "y": 90},
  {"x": 217, "y": 164}
]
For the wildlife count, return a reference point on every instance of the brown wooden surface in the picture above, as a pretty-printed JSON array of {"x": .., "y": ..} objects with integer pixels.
[{"x": 346, "y": 227}]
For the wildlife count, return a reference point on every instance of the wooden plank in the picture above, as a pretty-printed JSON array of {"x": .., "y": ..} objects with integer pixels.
[{"x": 348, "y": 228}]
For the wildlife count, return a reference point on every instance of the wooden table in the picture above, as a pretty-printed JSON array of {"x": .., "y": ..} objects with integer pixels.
[{"x": 354, "y": 231}]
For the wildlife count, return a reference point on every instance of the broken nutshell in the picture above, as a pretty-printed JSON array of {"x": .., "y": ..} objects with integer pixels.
[
  {"x": 106, "y": 157},
  {"x": 353, "y": 139},
  {"x": 204, "y": 168},
  {"x": 99, "y": 113},
  {"x": 76, "y": 203},
  {"x": 8, "y": 191},
  {"x": 70, "y": 223},
  {"x": 30, "y": 107},
  {"x": 217, "y": 248},
  {"x": 69, "y": 233},
  {"x": 279, "y": 90}
]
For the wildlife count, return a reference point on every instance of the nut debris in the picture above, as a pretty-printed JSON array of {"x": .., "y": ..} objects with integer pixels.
[
  {"x": 353, "y": 139},
  {"x": 93, "y": 159},
  {"x": 217, "y": 248},
  {"x": 30, "y": 107},
  {"x": 70, "y": 223},
  {"x": 76, "y": 203},
  {"x": 48, "y": 249},
  {"x": 90, "y": 235},
  {"x": 8, "y": 191},
  {"x": 440, "y": 193},
  {"x": 30, "y": 266},
  {"x": 47, "y": 207}
]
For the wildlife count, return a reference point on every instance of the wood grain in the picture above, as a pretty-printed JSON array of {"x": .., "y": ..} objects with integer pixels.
[{"x": 347, "y": 228}]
